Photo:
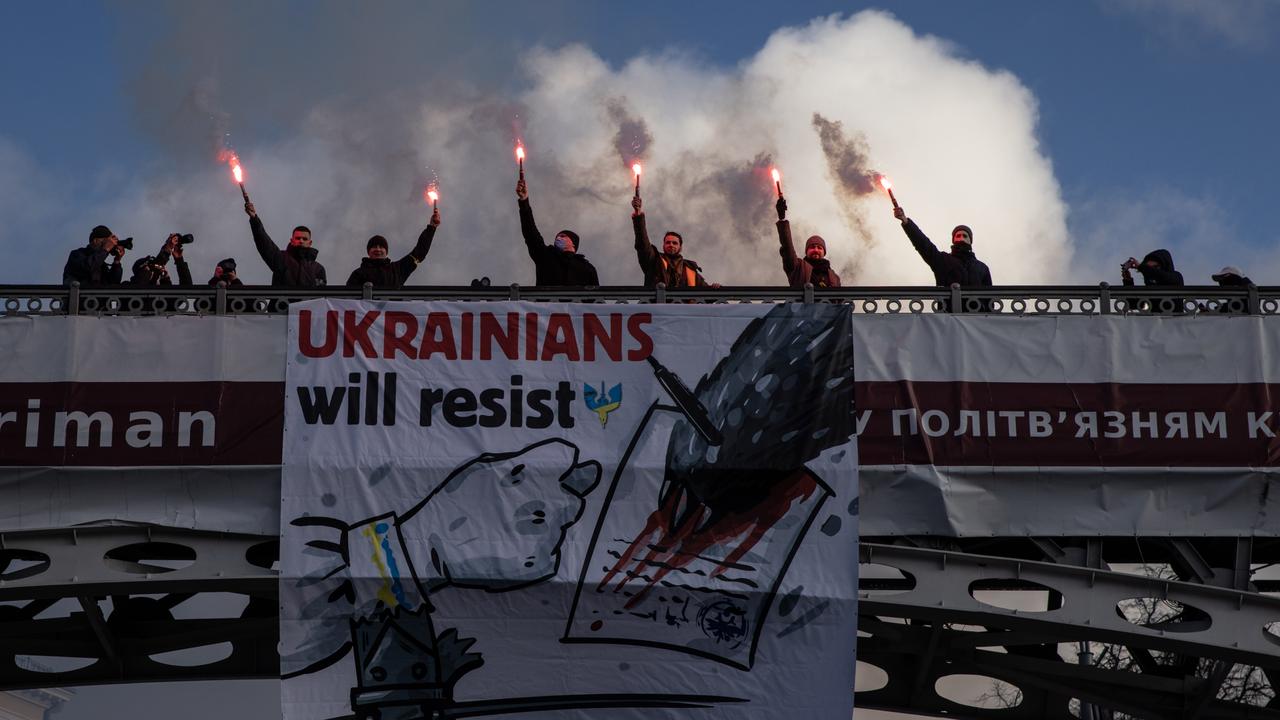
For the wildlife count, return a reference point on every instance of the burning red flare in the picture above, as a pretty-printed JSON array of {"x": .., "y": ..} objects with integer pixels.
[
  {"x": 884, "y": 183},
  {"x": 777, "y": 181},
  {"x": 237, "y": 172},
  {"x": 636, "y": 168},
  {"x": 777, "y": 176},
  {"x": 520, "y": 153},
  {"x": 432, "y": 196}
]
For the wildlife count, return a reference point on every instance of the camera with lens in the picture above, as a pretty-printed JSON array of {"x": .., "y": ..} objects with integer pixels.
[
  {"x": 126, "y": 243},
  {"x": 186, "y": 239}
]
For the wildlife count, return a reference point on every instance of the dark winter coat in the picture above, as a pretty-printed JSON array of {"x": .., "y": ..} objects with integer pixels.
[
  {"x": 802, "y": 270},
  {"x": 295, "y": 266},
  {"x": 959, "y": 266},
  {"x": 554, "y": 267},
  {"x": 1162, "y": 274},
  {"x": 146, "y": 277},
  {"x": 384, "y": 273},
  {"x": 88, "y": 266},
  {"x": 658, "y": 267}
]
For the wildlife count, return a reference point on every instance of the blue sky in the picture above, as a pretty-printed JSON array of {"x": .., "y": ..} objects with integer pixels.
[
  {"x": 1155, "y": 115},
  {"x": 1156, "y": 119}
]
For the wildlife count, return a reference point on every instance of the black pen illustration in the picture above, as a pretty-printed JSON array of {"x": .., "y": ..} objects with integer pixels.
[
  {"x": 735, "y": 499},
  {"x": 732, "y": 496}
]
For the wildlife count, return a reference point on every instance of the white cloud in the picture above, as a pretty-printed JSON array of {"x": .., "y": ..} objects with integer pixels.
[{"x": 959, "y": 140}]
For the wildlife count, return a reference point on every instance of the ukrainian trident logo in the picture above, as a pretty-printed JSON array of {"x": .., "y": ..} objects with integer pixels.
[{"x": 601, "y": 402}]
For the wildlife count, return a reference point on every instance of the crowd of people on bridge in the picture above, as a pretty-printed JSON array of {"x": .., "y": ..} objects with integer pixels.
[{"x": 558, "y": 264}]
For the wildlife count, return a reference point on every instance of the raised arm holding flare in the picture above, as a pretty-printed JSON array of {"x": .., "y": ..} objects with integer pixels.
[
  {"x": 667, "y": 266},
  {"x": 813, "y": 267},
  {"x": 378, "y": 269},
  {"x": 558, "y": 265},
  {"x": 296, "y": 265},
  {"x": 959, "y": 266}
]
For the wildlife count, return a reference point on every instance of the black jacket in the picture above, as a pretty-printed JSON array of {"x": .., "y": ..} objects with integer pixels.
[
  {"x": 89, "y": 267},
  {"x": 800, "y": 270},
  {"x": 295, "y": 266},
  {"x": 554, "y": 267},
  {"x": 959, "y": 266},
  {"x": 1162, "y": 274},
  {"x": 213, "y": 282},
  {"x": 659, "y": 267},
  {"x": 148, "y": 278},
  {"x": 387, "y": 274}
]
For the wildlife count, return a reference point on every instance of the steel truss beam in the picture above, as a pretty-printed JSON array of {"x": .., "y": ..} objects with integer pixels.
[{"x": 930, "y": 627}]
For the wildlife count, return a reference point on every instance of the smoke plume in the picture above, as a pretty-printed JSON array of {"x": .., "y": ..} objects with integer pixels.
[{"x": 345, "y": 143}]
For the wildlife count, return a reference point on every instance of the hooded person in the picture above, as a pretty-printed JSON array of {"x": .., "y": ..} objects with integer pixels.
[
  {"x": 1156, "y": 268},
  {"x": 296, "y": 265},
  {"x": 381, "y": 272},
  {"x": 225, "y": 271},
  {"x": 668, "y": 266},
  {"x": 813, "y": 268},
  {"x": 1157, "y": 271},
  {"x": 560, "y": 264},
  {"x": 88, "y": 265}
]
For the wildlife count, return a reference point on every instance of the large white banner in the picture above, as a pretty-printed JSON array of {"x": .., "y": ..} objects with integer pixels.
[{"x": 554, "y": 511}]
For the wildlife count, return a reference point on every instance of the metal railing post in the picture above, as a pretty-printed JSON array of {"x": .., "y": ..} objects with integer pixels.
[
  {"x": 220, "y": 298},
  {"x": 1254, "y": 304},
  {"x": 366, "y": 292},
  {"x": 73, "y": 299},
  {"x": 1104, "y": 298},
  {"x": 808, "y": 292},
  {"x": 514, "y": 293},
  {"x": 956, "y": 307},
  {"x": 660, "y": 293}
]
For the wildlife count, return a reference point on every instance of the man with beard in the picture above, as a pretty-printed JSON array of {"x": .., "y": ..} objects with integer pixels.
[
  {"x": 558, "y": 265},
  {"x": 296, "y": 265},
  {"x": 378, "y": 269},
  {"x": 668, "y": 266},
  {"x": 814, "y": 268}
]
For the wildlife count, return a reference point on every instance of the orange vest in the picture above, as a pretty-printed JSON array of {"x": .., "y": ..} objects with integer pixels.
[{"x": 690, "y": 275}]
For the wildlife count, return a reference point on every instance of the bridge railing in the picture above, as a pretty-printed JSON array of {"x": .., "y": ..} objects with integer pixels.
[{"x": 1101, "y": 299}]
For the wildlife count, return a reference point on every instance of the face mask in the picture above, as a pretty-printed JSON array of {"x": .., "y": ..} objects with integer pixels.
[{"x": 563, "y": 243}]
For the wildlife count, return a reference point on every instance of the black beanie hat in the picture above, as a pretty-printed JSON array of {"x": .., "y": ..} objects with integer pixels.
[
  {"x": 965, "y": 228},
  {"x": 815, "y": 240},
  {"x": 376, "y": 241},
  {"x": 142, "y": 262},
  {"x": 228, "y": 265},
  {"x": 577, "y": 244},
  {"x": 99, "y": 232}
]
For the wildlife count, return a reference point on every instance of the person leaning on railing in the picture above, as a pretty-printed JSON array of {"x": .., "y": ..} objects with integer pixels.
[{"x": 814, "y": 267}]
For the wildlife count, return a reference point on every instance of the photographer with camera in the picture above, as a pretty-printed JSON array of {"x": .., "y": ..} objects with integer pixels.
[
  {"x": 88, "y": 265},
  {"x": 296, "y": 265},
  {"x": 225, "y": 271},
  {"x": 150, "y": 271},
  {"x": 1156, "y": 269}
]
